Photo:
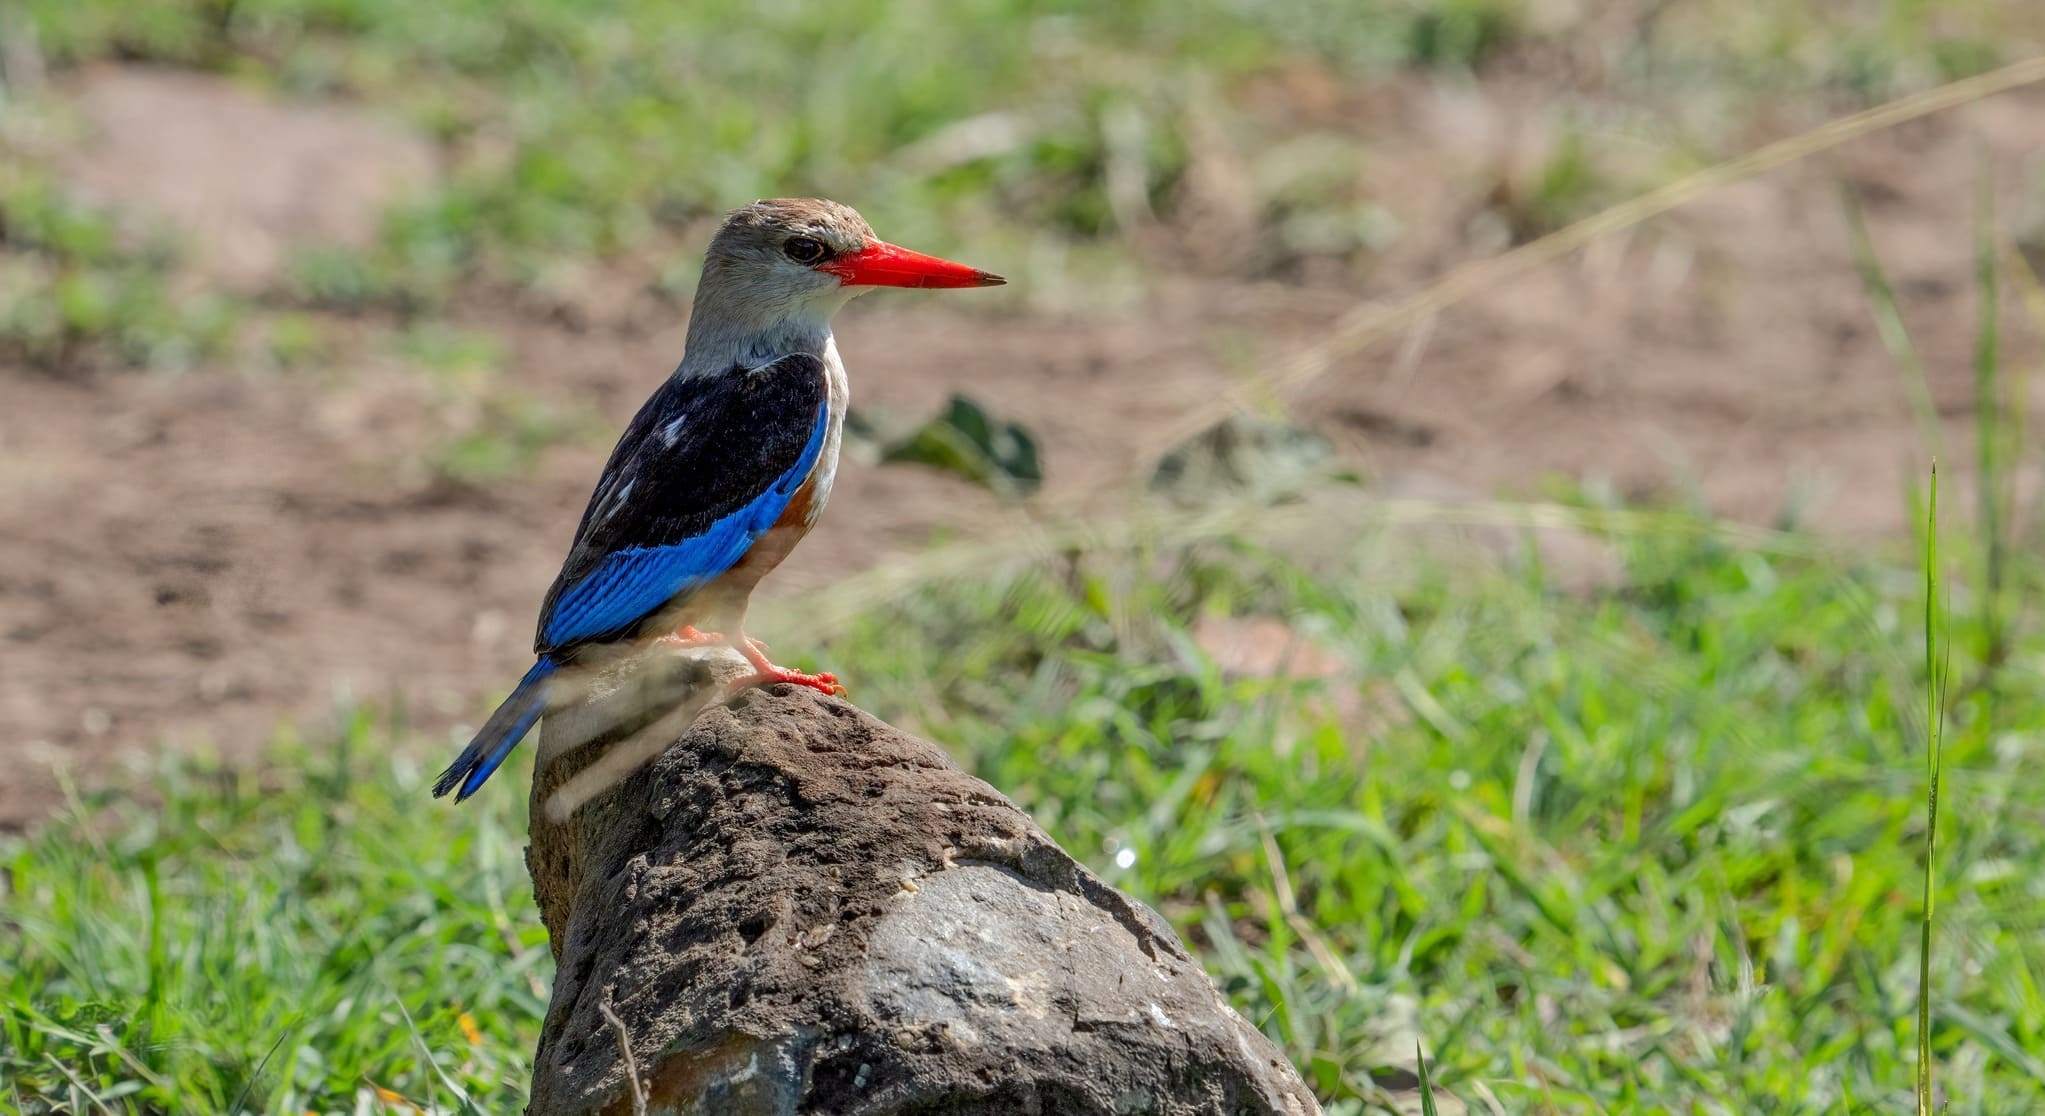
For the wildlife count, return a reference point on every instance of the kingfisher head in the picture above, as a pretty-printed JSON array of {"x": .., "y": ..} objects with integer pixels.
[{"x": 794, "y": 261}]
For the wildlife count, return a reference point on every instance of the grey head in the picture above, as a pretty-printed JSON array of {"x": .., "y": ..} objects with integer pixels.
[{"x": 779, "y": 268}]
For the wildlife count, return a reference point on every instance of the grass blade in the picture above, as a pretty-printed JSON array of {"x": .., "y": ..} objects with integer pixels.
[
  {"x": 1934, "y": 728},
  {"x": 242, "y": 1097},
  {"x": 1426, "y": 1084}
]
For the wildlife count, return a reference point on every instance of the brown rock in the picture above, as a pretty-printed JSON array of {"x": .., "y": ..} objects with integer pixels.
[{"x": 796, "y": 908}]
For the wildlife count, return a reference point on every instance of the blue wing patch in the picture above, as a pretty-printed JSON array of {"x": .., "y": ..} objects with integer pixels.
[{"x": 629, "y": 585}]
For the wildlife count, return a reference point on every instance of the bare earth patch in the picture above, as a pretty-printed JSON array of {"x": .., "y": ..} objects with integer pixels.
[
  {"x": 247, "y": 178},
  {"x": 195, "y": 558}
]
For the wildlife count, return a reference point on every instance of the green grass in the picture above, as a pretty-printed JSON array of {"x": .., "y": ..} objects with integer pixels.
[
  {"x": 1936, "y": 676},
  {"x": 1652, "y": 849},
  {"x": 302, "y": 940}
]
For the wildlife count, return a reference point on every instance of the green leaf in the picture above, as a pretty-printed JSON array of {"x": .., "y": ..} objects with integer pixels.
[{"x": 965, "y": 440}]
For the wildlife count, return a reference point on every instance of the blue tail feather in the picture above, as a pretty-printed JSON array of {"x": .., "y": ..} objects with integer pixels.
[{"x": 499, "y": 735}]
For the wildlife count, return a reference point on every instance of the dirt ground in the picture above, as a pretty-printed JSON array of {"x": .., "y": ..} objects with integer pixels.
[{"x": 189, "y": 560}]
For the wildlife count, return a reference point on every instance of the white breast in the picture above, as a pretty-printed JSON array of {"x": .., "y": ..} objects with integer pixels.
[{"x": 839, "y": 390}]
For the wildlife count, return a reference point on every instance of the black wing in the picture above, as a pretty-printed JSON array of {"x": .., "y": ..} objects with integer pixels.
[{"x": 706, "y": 467}]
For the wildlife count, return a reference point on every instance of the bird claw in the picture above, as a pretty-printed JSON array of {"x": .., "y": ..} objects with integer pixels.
[
  {"x": 824, "y": 682},
  {"x": 765, "y": 673}
]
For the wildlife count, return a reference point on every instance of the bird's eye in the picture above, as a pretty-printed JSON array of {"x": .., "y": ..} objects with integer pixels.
[{"x": 804, "y": 250}]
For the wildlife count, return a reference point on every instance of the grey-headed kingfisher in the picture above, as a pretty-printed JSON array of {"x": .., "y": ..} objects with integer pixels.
[{"x": 725, "y": 468}]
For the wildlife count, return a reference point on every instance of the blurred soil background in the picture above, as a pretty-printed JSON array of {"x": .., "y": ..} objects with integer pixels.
[{"x": 318, "y": 317}]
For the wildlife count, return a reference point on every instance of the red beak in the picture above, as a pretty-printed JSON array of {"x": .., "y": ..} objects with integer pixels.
[{"x": 880, "y": 264}]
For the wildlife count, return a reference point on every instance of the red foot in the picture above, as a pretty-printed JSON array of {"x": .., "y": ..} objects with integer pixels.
[
  {"x": 688, "y": 636},
  {"x": 766, "y": 673},
  {"x": 823, "y": 683}
]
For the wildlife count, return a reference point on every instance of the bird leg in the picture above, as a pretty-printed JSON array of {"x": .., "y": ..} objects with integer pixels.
[
  {"x": 688, "y": 636},
  {"x": 766, "y": 673}
]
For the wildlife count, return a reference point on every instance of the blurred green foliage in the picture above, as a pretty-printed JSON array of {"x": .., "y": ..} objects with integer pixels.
[
  {"x": 965, "y": 440},
  {"x": 580, "y": 128},
  {"x": 77, "y": 290},
  {"x": 509, "y": 437},
  {"x": 1245, "y": 456},
  {"x": 584, "y": 128}
]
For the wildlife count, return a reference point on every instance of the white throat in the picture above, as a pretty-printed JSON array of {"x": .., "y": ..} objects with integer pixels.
[{"x": 723, "y": 336}]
